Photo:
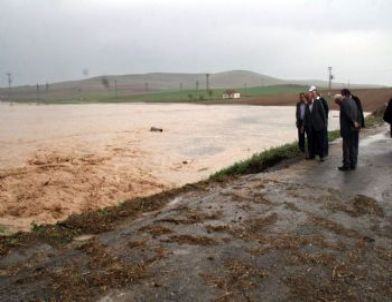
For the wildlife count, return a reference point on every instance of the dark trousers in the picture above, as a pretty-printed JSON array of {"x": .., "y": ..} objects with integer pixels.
[
  {"x": 316, "y": 143},
  {"x": 319, "y": 143},
  {"x": 301, "y": 140},
  {"x": 325, "y": 144},
  {"x": 350, "y": 149},
  {"x": 310, "y": 141}
]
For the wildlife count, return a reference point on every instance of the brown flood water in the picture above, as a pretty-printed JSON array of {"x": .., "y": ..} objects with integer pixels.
[{"x": 56, "y": 160}]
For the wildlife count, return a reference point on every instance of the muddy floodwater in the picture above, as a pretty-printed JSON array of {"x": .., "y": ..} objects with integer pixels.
[{"x": 56, "y": 160}]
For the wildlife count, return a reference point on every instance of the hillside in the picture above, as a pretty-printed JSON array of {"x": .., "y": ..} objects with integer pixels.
[{"x": 113, "y": 86}]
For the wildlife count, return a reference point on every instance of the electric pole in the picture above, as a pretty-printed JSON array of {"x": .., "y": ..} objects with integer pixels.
[
  {"x": 330, "y": 78},
  {"x": 115, "y": 89},
  {"x": 9, "y": 77},
  {"x": 207, "y": 82},
  {"x": 37, "y": 92}
]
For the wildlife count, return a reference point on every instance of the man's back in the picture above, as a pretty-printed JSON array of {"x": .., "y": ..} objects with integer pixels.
[{"x": 349, "y": 114}]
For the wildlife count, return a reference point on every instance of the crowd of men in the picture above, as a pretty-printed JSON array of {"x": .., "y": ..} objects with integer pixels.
[{"x": 312, "y": 123}]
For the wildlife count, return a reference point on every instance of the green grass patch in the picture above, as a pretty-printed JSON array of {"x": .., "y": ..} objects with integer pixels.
[
  {"x": 373, "y": 121},
  {"x": 271, "y": 90},
  {"x": 259, "y": 162},
  {"x": 3, "y": 230}
]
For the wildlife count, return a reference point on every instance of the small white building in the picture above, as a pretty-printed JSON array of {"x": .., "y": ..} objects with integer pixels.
[{"x": 231, "y": 94}]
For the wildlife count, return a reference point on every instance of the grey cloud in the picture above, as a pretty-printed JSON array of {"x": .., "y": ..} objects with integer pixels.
[{"x": 46, "y": 40}]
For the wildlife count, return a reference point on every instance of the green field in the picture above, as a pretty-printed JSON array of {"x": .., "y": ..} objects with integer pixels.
[
  {"x": 214, "y": 94},
  {"x": 167, "y": 96}
]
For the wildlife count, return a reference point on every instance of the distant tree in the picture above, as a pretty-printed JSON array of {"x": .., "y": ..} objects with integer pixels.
[
  {"x": 105, "y": 82},
  {"x": 210, "y": 93},
  {"x": 190, "y": 96},
  {"x": 201, "y": 97}
]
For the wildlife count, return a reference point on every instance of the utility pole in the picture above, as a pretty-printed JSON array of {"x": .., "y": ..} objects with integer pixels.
[
  {"x": 330, "y": 78},
  {"x": 197, "y": 86},
  {"x": 9, "y": 77},
  {"x": 146, "y": 86},
  {"x": 115, "y": 89},
  {"x": 207, "y": 82},
  {"x": 37, "y": 92},
  {"x": 180, "y": 86}
]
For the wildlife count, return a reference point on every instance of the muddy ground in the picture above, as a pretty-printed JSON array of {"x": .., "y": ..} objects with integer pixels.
[
  {"x": 372, "y": 99},
  {"x": 303, "y": 232}
]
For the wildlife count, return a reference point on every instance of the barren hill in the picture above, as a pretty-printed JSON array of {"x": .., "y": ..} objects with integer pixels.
[{"x": 136, "y": 84}]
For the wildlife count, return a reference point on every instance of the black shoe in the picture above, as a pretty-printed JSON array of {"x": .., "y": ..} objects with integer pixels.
[
  {"x": 322, "y": 159},
  {"x": 343, "y": 168},
  {"x": 310, "y": 158},
  {"x": 353, "y": 167}
]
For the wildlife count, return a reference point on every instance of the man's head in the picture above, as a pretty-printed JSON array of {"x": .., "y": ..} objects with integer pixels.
[
  {"x": 338, "y": 99},
  {"x": 313, "y": 91},
  {"x": 345, "y": 92},
  {"x": 302, "y": 97}
]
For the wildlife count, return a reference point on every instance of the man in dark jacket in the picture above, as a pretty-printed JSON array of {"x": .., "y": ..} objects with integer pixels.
[
  {"x": 300, "y": 116},
  {"x": 349, "y": 129},
  {"x": 359, "y": 105},
  {"x": 316, "y": 95},
  {"x": 360, "y": 119},
  {"x": 316, "y": 124},
  {"x": 388, "y": 114}
]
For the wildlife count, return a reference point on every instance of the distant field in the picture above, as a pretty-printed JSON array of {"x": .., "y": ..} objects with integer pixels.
[
  {"x": 200, "y": 95},
  {"x": 372, "y": 99},
  {"x": 275, "y": 95}
]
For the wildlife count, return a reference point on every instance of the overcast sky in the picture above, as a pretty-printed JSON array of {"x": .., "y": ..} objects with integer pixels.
[{"x": 54, "y": 40}]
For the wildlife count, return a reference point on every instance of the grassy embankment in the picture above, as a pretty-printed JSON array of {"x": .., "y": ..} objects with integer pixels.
[{"x": 261, "y": 161}]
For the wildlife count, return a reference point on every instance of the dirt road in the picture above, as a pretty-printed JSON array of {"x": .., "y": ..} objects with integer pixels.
[{"x": 305, "y": 232}]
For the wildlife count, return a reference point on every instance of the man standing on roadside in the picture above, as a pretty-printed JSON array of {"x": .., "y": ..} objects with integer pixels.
[
  {"x": 388, "y": 114},
  {"x": 316, "y": 123},
  {"x": 300, "y": 116},
  {"x": 317, "y": 96},
  {"x": 349, "y": 129},
  {"x": 359, "y": 106}
]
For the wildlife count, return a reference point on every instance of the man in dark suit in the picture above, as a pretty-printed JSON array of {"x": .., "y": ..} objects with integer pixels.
[
  {"x": 359, "y": 105},
  {"x": 388, "y": 114},
  {"x": 316, "y": 95},
  {"x": 316, "y": 124},
  {"x": 300, "y": 116},
  {"x": 349, "y": 129}
]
